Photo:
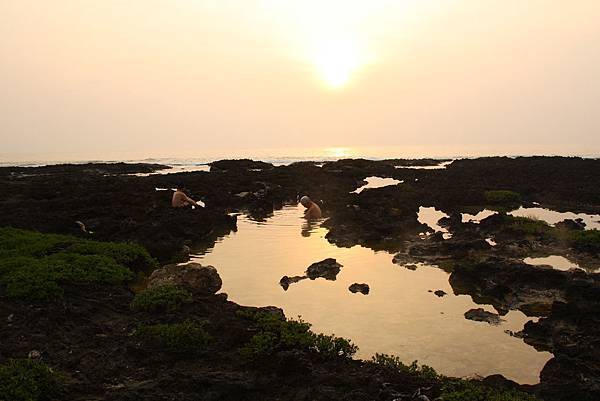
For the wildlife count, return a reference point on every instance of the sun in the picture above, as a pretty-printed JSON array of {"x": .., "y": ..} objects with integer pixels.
[{"x": 336, "y": 61}]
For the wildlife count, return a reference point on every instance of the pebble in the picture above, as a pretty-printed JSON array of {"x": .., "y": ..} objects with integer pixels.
[{"x": 34, "y": 354}]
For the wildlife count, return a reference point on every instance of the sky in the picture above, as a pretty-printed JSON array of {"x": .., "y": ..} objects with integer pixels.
[{"x": 185, "y": 77}]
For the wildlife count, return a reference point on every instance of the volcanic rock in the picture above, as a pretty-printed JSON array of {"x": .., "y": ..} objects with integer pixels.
[
  {"x": 195, "y": 277},
  {"x": 327, "y": 268},
  {"x": 362, "y": 288}
]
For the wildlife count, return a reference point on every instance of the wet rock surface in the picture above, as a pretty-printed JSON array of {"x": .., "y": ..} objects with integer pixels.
[
  {"x": 327, "y": 269},
  {"x": 113, "y": 204},
  {"x": 357, "y": 287},
  {"x": 481, "y": 315},
  {"x": 286, "y": 281}
]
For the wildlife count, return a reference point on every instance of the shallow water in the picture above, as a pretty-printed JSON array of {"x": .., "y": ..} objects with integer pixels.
[
  {"x": 377, "y": 182},
  {"x": 439, "y": 166},
  {"x": 178, "y": 169},
  {"x": 555, "y": 261},
  {"x": 476, "y": 218},
  {"x": 399, "y": 316},
  {"x": 431, "y": 216}
]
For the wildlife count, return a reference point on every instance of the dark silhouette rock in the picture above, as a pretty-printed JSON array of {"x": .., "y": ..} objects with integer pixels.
[
  {"x": 286, "y": 281},
  {"x": 480, "y": 315},
  {"x": 362, "y": 288},
  {"x": 327, "y": 268},
  {"x": 570, "y": 224}
]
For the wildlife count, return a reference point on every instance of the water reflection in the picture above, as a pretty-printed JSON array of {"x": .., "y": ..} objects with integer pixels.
[
  {"x": 377, "y": 182},
  {"x": 399, "y": 316}
]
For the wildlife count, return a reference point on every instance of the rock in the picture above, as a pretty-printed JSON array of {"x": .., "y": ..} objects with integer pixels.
[
  {"x": 34, "y": 354},
  {"x": 222, "y": 296},
  {"x": 517, "y": 334},
  {"x": 500, "y": 382},
  {"x": 480, "y": 315},
  {"x": 273, "y": 310},
  {"x": 184, "y": 253},
  {"x": 440, "y": 293},
  {"x": 10, "y": 318},
  {"x": 438, "y": 236},
  {"x": 572, "y": 224},
  {"x": 411, "y": 267},
  {"x": 362, "y": 288},
  {"x": 286, "y": 281},
  {"x": 455, "y": 248},
  {"x": 239, "y": 165},
  {"x": 204, "y": 280},
  {"x": 327, "y": 268}
]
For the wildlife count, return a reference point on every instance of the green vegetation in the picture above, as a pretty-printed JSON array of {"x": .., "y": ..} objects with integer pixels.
[
  {"x": 526, "y": 226},
  {"x": 34, "y": 266},
  {"x": 27, "y": 380},
  {"x": 466, "y": 390},
  {"x": 391, "y": 362},
  {"x": 502, "y": 197},
  {"x": 186, "y": 337},
  {"x": 277, "y": 334},
  {"x": 502, "y": 201},
  {"x": 162, "y": 298},
  {"x": 586, "y": 241}
]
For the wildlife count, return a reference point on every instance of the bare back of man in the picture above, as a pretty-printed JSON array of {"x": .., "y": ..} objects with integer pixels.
[
  {"x": 180, "y": 199},
  {"x": 313, "y": 211}
]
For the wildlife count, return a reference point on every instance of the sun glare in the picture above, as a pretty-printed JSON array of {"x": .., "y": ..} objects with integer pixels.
[{"x": 338, "y": 152}]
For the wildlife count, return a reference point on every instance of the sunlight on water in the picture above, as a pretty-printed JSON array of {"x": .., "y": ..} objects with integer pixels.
[
  {"x": 399, "y": 316},
  {"x": 377, "y": 182}
]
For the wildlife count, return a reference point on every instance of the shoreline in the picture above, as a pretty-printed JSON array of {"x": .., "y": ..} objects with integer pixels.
[{"x": 99, "y": 196}]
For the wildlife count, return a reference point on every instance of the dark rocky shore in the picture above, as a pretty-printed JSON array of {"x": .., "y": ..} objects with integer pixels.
[{"x": 87, "y": 333}]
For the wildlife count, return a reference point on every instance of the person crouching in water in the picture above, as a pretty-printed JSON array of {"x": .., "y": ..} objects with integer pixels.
[
  {"x": 313, "y": 211},
  {"x": 180, "y": 199}
]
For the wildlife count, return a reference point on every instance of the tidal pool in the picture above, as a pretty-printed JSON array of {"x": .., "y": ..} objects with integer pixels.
[{"x": 399, "y": 316}]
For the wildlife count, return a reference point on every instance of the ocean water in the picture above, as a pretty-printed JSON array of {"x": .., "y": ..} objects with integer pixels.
[{"x": 281, "y": 156}]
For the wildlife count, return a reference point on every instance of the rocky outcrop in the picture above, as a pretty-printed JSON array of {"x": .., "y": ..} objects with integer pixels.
[
  {"x": 199, "y": 279},
  {"x": 571, "y": 224},
  {"x": 362, "y": 288},
  {"x": 287, "y": 280},
  {"x": 327, "y": 269},
  {"x": 480, "y": 315}
]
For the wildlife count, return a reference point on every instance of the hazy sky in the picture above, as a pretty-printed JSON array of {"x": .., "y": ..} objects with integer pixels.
[{"x": 160, "y": 77}]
